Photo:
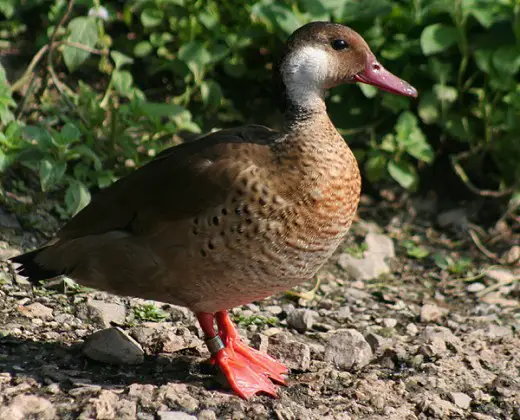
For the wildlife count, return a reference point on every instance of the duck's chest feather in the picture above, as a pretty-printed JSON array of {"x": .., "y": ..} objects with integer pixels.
[{"x": 323, "y": 213}]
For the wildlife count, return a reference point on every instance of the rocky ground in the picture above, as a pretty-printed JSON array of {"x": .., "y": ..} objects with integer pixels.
[{"x": 411, "y": 320}]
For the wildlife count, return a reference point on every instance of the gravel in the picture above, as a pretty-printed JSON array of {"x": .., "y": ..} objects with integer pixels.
[{"x": 416, "y": 343}]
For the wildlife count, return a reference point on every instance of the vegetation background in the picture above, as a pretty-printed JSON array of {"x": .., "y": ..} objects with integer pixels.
[{"x": 90, "y": 89}]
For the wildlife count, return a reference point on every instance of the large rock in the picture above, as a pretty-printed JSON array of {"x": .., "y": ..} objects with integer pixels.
[
  {"x": 293, "y": 354},
  {"x": 348, "y": 349},
  {"x": 113, "y": 345},
  {"x": 373, "y": 264},
  {"x": 104, "y": 313},
  {"x": 301, "y": 319},
  {"x": 36, "y": 310},
  {"x": 28, "y": 407},
  {"x": 163, "y": 337}
]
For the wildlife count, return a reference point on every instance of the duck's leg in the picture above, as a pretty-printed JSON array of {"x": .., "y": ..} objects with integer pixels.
[
  {"x": 260, "y": 362},
  {"x": 246, "y": 369}
]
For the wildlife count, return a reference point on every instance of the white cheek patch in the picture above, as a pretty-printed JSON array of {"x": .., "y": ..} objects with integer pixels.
[{"x": 304, "y": 74}]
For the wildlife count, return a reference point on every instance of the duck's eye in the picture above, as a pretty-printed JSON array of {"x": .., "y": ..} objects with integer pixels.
[{"x": 339, "y": 44}]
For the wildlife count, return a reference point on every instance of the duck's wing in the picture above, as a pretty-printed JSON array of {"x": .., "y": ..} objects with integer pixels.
[{"x": 179, "y": 183}]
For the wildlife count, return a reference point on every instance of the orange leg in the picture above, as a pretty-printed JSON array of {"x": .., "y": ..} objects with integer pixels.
[{"x": 246, "y": 369}]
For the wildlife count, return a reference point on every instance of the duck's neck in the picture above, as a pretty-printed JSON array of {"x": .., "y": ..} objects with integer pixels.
[{"x": 300, "y": 77}]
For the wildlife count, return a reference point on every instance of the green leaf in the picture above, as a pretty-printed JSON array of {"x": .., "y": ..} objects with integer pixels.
[
  {"x": 483, "y": 59},
  {"x": 160, "y": 110},
  {"x": 404, "y": 173},
  {"x": 375, "y": 167},
  {"x": 40, "y": 135},
  {"x": 445, "y": 93},
  {"x": 196, "y": 57},
  {"x": 507, "y": 60},
  {"x": 277, "y": 15},
  {"x": 123, "y": 81},
  {"x": 83, "y": 30},
  {"x": 415, "y": 251},
  {"x": 142, "y": 49},
  {"x": 7, "y": 7},
  {"x": 51, "y": 173},
  {"x": 4, "y": 161},
  {"x": 70, "y": 133},
  {"x": 77, "y": 197},
  {"x": 395, "y": 103},
  {"x": 120, "y": 59},
  {"x": 427, "y": 108},
  {"x": 412, "y": 139},
  {"x": 316, "y": 9},
  {"x": 355, "y": 10},
  {"x": 368, "y": 90},
  {"x": 151, "y": 18},
  {"x": 211, "y": 94},
  {"x": 483, "y": 15},
  {"x": 83, "y": 150},
  {"x": 437, "y": 38}
]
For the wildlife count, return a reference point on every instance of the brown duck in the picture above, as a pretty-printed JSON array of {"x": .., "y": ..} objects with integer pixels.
[{"x": 235, "y": 216}]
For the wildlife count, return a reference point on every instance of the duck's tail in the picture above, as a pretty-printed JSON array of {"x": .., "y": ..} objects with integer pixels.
[{"x": 31, "y": 269}]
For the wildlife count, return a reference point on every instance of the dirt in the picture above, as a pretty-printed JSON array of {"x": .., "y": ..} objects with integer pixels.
[{"x": 426, "y": 340}]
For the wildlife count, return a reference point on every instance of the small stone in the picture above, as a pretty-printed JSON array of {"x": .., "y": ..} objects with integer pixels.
[
  {"x": 457, "y": 218},
  {"x": 181, "y": 314},
  {"x": 28, "y": 406},
  {"x": 207, "y": 415},
  {"x": 113, "y": 345},
  {"x": 368, "y": 268},
  {"x": 274, "y": 309},
  {"x": 513, "y": 255},
  {"x": 431, "y": 313},
  {"x": 380, "y": 245},
  {"x": 389, "y": 322},
  {"x": 86, "y": 389},
  {"x": 109, "y": 406},
  {"x": 412, "y": 329},
  {"x": 301, "y": 319},
  {"x": 36, "y": 310},
  {"x": 143, "y": 393},
  {"x": 272, "y": 331},
  {"x": 460, "y": 399},
  {"x": 498, "y": 331},
  {"x": 53, "y": 388},
  {"x": 260, "y": 342},
  {"x": 377, "y": 343},
  {"x": 177, "y": 395},
  {"x": 294, "y": 354},
  {"x": 174, "y": 415},
  {"x": 500, "y": 275},
  {"x": 104, "y": 313},
  {"x": 475, "y": 287},
  {"x": 172, "y": 343},
  {"x": 348, "y": 349},
  {"x": 344, "y": 313},
  {"x": 437, "y": 340}
]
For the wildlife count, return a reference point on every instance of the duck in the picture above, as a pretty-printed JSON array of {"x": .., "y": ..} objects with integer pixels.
[{"x": 236, "y": 215}]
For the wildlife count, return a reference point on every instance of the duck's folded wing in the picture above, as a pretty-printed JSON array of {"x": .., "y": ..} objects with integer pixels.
[{"x": 178, "y": 184}]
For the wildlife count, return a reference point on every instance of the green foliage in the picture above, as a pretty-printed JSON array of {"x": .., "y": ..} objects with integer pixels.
[
  {"x": 460, "y": 266},
  {"x": 149, "y": 312},
  {"x": 414, "y": 250},
  {"x": 138, "y": 76},
  {"x": 260, "y": 320},
  {"x": 357, "y": 251}
]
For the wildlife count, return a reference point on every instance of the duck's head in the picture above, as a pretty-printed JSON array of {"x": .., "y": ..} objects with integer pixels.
[{"x": 321, "y": 55}]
